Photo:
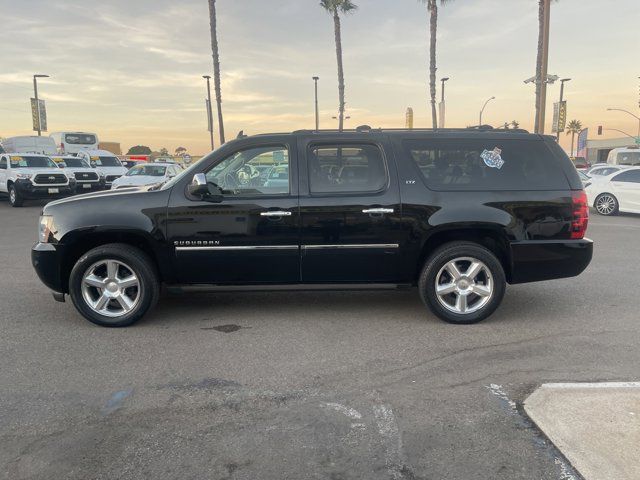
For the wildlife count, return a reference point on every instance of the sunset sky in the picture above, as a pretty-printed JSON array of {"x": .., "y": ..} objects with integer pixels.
[{"x": 130, "y": 70}]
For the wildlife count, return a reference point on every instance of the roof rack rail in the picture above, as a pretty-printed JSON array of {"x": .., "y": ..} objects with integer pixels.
[{"x": 367, "y": 128}]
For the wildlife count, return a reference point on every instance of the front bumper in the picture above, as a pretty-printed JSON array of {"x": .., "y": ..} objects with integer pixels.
[
  {"x": 535, "y": 260},
  {"x": 46, "y": 260},
  {"x": 28, "y": 190},
  {"x": 83, "y": 187}
]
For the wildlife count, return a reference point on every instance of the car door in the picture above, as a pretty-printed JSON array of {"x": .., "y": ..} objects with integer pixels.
[
  {"x": 3, "y": 173},
  {"x": 626, "y": 186},
  {"x": 252, "y": 235},
  {"x": 350, "y": 211}
]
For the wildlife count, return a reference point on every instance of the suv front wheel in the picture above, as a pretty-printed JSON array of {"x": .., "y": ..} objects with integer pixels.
[
  {"x": 15, "y": 199},
  {"x": 462, "y": 282},
  {"x": 114, "y": 285}
]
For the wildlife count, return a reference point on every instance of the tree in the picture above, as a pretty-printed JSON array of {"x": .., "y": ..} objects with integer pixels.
[
  {"x": 574, "y": 127},
  {"x": 181, "y": 151},
  {"x": 335, "y": 8},
  {"x": 515, "y": 124},
  {"x": 432, "y": 9},
  {"x": 164, "y": 152},
  {"x": 216, "y": 65},
  {"x": 139, "y": 150}
]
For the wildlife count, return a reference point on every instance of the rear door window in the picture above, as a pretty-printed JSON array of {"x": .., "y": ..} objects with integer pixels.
[
  {"x": 485, "y": 164},
  {"x": 347, "y": 168},
  {"x": 632, "y": 176}
]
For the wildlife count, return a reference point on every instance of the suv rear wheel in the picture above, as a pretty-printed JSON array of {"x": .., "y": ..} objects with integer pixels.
[
  {"x": 114, "y": 285},
  {"x": 462, "y": 282}
]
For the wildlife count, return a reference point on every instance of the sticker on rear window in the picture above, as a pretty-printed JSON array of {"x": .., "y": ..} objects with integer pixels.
[{"x": 492, "y": 158}]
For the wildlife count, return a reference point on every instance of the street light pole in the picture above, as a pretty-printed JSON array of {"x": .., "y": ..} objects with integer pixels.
[
  {"x": 561, "y": 99},
  {"x": 35, "y": 92},
  {"x": 209, "y": 112},
  {"x": 483, "y": 107},
  {"x": 315, "y": 81},
  {"x": 628, "y": 112}
]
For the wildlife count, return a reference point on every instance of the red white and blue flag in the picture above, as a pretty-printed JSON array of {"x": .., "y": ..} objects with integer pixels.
[{"x": 582, "y": 143}]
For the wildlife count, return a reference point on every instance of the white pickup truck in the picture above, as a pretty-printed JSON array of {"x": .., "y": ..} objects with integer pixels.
[{"x": 30, "y": 176}]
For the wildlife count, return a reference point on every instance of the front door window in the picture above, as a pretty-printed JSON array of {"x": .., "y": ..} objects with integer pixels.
[{"x": 255, "y": 171}]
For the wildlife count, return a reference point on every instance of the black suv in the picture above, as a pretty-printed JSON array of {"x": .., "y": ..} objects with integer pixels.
[{"x": 459, "y": 213}]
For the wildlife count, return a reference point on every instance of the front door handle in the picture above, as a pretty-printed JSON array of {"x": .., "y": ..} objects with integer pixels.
[
  {"x": 275, "y": 213},
  {"x": 377, "y": 211}
]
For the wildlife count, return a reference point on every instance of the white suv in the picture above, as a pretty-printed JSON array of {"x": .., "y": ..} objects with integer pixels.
[
  {"x": 106, "y": 163},
  {"x": 27, "y": 176}
]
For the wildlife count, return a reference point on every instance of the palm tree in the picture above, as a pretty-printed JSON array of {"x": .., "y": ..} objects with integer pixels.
[
  {"x": 335, "y": 8},
  {"x": 432, "y": 8},
  {"x": 515, "y": 124},
  {"x": 574, "y": 127},
  {"x": 216, "y": 65}
]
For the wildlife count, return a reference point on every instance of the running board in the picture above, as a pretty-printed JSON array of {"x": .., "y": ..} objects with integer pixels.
[{"x": 291, "y": 287}]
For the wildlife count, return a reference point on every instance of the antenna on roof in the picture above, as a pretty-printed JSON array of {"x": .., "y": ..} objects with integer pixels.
[{"x": 241, "y": 134}]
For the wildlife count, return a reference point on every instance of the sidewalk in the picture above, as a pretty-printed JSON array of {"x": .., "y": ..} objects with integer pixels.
[{"x": 595, "y": 425}]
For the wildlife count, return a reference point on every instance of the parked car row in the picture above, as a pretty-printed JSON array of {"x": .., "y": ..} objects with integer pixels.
[{"x": 35, "y": 176}]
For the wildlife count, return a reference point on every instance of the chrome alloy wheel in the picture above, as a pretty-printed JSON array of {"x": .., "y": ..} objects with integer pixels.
[
  {"x": 111, "y": 288},
  {"x": 464, "y": 285},
  {"x": 605, "y": 204}
]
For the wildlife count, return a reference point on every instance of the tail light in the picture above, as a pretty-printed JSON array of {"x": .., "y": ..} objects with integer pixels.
[{"x": 580, "y": 214}]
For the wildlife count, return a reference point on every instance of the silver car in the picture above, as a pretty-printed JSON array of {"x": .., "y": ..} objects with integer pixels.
[{"x": 146, "y": 174}]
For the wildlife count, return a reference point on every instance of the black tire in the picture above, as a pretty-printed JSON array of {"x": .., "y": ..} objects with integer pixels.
[
  {"x": 135, "y": 261},
  {"x": 15, "y": 199},
  {"x": 608, "y": 208},
  {"x": 435, "y": 267}
]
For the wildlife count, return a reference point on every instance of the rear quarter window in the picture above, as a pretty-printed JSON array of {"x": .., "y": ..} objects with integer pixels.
[{"x": 485, "y": 164}]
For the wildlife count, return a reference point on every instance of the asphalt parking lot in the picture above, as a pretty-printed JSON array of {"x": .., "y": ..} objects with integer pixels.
[{"x": 305, "y": 385}]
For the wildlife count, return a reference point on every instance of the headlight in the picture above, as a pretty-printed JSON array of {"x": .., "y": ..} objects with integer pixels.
[
  {"x": 24, "y": 176},
  {"x": 45, "y": 228}
]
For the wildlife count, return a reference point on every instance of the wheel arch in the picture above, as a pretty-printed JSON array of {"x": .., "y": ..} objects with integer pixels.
[
  {"x": 77, "y": 244},
  {"x": 492, "y": 237}
]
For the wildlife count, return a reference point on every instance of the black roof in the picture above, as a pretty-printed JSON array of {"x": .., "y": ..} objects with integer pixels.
[{"x": 484, "y": 129}]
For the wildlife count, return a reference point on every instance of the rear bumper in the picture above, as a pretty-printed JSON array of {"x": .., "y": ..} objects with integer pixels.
[
  {"x": 46, "y": 260},
  {"x": 532, "y": 261}
]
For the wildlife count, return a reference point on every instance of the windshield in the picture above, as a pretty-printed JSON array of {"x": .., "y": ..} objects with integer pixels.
[
  {"x": 75, "y": 162},
  {"x": 32, "y": 162},
  {"x": 149, "y": 170},
  {"x": 106, "y": 161},
  {"x": 80, "y": 139},
  {"x": 629, "y": 158}
]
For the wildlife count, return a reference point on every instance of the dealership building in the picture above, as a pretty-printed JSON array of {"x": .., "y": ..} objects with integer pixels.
[{"x": 597, "y": 150}]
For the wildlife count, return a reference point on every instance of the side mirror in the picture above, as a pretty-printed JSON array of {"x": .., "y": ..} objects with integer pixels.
[{"x": 199, "y": 187}]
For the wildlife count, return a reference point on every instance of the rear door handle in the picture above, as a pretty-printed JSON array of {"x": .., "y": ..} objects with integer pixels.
[
  {"x": 275, "y": 213},
  {"x": 377, "y": 210}
]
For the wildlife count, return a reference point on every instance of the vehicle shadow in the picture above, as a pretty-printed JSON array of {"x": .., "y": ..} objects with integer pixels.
[{"x": 404, "y": 307}]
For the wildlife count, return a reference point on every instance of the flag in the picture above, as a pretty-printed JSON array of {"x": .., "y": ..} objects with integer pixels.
[{"x": 582, "y": 143}]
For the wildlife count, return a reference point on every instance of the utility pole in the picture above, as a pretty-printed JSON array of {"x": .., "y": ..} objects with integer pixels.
[
  {"x": 560, "y": 104},
  {"x": 442, "y": 104},
  {"x": 35, "y": 93},
  {"x": 315, "y": 81},
  {"x": 545, "y": 65},
  {"x": 209, "y": 112}
]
